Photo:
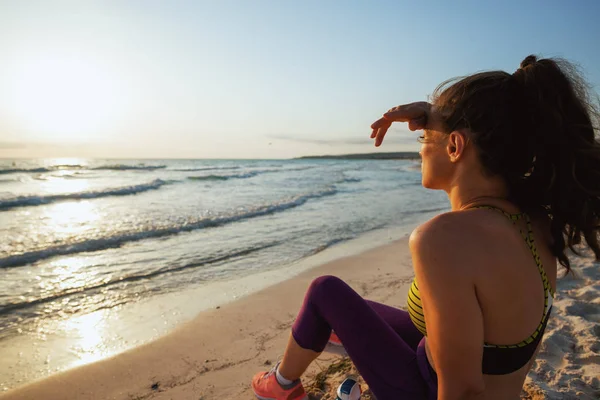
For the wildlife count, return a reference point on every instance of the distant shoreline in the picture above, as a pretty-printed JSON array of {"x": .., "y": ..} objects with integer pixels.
[
  {"x": 404, "y": 155},
  {"x": 407, "y": 155}
]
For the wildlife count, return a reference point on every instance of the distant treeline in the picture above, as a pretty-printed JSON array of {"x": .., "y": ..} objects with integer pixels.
[{"x": 404, "y": 155}]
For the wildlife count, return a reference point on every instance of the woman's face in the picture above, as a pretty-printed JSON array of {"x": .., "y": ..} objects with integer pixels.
[{"x": 435, "y": 163}]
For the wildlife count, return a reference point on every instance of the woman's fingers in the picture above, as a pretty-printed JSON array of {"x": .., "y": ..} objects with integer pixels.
[
  {"x": 407, "y": 112},
  {"x": 381, "y": 122},
  {"x": 416, "y": 114},
  {"x": 380, "y": 135},
  {"x": 380, "y": 128}
]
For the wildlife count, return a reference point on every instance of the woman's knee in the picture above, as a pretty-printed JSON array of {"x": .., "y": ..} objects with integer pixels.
[{"x": 326, "y": 285}]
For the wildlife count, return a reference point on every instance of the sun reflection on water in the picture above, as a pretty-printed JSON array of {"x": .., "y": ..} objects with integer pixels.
[
  {"x": 54, "y": 185},
  {"x": 70, "y": 273},
  {"x": 87, "y": 333},
  {"x": 71, "y": 217}
]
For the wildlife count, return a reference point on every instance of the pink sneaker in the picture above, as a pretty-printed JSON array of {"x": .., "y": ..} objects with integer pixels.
[
  {"x": 334, "y": 339},
  {"x": 266, "y": 387},
  {"x": 335, "y": 346}
]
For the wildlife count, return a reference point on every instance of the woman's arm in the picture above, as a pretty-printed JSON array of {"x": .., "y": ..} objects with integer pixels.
[{"x": 444, "y": 255}]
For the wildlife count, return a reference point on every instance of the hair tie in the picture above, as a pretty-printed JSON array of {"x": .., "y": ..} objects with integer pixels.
[{"x": 529, "y": 61}]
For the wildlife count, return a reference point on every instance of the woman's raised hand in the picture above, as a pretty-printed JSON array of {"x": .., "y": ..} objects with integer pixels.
[{"x": 416, "y": 114}]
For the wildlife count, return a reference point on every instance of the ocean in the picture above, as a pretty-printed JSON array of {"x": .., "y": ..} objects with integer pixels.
[{"x": 86, "y": 240}]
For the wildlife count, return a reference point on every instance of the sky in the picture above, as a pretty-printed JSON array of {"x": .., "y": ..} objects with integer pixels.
[{"x": 253, "y": 79}]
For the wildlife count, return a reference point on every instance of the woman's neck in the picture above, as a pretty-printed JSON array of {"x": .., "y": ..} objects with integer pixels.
[{"x": 473, "y": 193}]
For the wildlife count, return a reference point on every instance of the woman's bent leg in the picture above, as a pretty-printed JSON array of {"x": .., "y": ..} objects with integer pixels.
[
  {"x": 400, "y": 322},
  {"x": 386, "y": 362}
]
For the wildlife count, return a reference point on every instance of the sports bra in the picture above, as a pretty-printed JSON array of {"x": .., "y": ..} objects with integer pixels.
[{"x": 499, "y": 359}]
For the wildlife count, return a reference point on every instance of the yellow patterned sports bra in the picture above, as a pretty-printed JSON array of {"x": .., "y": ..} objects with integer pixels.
[{"x": 499, "y": 359}]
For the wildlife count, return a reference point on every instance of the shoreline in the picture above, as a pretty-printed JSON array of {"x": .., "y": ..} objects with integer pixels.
[
  {"x": 398, "y": 155},
  {"x": 54, "y": 349},
  {"x": 215, "y": 355}
]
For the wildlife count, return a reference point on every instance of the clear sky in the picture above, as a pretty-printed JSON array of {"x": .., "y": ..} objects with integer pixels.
[{"x": 253, "y": 79}]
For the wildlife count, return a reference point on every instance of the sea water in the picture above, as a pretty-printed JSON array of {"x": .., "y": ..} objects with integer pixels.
[{"x": 79, "y": 238}]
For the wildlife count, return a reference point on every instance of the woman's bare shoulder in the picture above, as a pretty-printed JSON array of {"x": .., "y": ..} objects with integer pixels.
[
  {"x": 461, "y": 238},
  {"x": 453, "y": 225}
]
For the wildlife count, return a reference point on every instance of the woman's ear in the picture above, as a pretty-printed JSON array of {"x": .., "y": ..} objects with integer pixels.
[{"x": 457, "y": 142}]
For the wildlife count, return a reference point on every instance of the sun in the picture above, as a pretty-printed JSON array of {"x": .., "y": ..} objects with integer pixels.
[{"x": 67, "y": 98}]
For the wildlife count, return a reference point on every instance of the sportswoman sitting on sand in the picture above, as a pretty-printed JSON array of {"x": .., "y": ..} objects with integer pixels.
[{"x": 518, "y": 158}]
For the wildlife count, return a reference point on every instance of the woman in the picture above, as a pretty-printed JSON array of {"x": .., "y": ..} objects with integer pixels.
[{"x": 518, "y": 158}]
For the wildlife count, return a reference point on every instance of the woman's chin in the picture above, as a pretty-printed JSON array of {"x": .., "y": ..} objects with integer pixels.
[{"x": 428, "y": 184}]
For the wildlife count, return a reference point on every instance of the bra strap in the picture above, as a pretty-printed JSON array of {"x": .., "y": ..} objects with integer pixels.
[{"x": 528, "y": 239}]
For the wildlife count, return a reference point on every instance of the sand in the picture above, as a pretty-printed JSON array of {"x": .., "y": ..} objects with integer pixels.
[
  {"x": 568, "y": 364},
  {"x": 215, "y": 355}
]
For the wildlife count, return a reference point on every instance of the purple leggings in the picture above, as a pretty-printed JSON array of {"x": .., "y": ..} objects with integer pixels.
[{"x": 381, "y": 341}]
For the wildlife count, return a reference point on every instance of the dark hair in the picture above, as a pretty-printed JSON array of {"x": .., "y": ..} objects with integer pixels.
[{"x": 536, "y": 129}]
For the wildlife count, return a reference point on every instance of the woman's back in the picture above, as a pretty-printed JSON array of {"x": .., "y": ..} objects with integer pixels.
[
  {"x": 520, "y": 141},
  {"x": 508, "y": 283}
]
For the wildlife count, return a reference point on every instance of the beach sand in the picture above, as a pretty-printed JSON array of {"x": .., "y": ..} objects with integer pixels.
[{"x": 215, "y": 355}]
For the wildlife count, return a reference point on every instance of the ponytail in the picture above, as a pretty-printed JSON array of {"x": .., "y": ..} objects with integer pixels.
[{"x": 537, "y": 129}]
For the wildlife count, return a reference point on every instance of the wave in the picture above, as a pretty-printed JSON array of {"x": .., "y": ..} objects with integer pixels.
[
  {"x": 123, "y": 167},
  {"x": 208, "y": 178},
  {"x": 224, "y": 177},
  {"x": 119, "y": 240},
  {"x": 133, "y": 278},
  {"x": 23, "y": 170},
  {"x": 345, "y": 237},
  {"x": 349, "y": 180},
  {"x": 115, "y": 167},
  {"x": 204, "y": 169},
  {"x": 251, "y": 174},
  {"x": 74, "y": 175},
  {"x": 30, "y": 201},
  {"x": 328, "y": 244},
  {"x": 68, "y": 166},
  {"x": 303, "y": 168},
  {"x": 428, "y": 210}
]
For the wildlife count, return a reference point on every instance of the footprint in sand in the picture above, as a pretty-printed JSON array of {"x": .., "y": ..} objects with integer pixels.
[
  {"x": 582, "y": 309},
  {"x": 588, "y": 293}
]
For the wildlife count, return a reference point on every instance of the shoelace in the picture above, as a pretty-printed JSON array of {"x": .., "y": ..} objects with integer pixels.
[{"x": 272, "y": 371}]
